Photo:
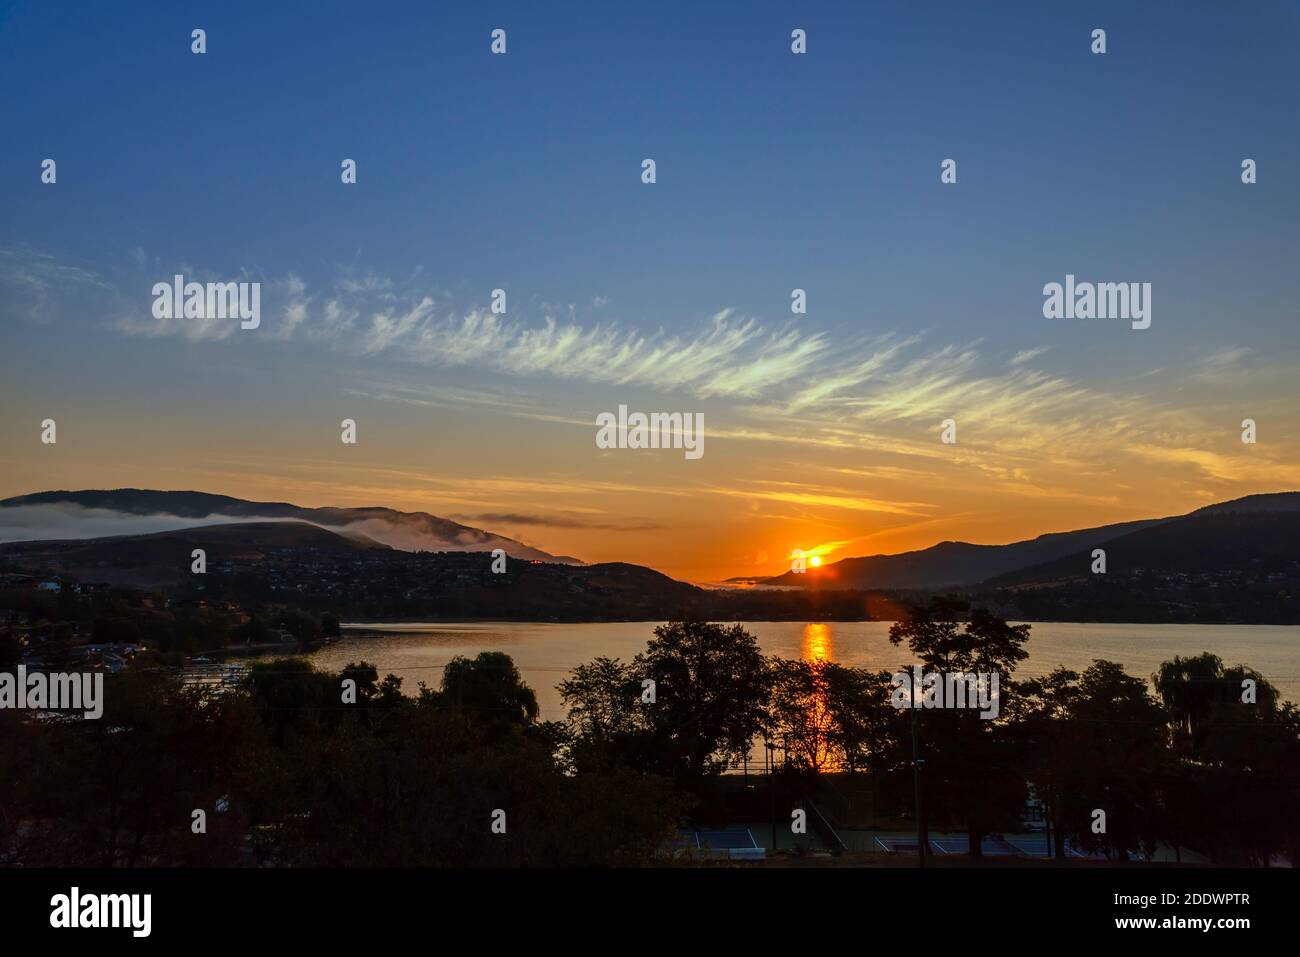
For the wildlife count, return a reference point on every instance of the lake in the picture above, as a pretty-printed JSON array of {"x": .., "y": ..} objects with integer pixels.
[{"x": 546, "y": 652}]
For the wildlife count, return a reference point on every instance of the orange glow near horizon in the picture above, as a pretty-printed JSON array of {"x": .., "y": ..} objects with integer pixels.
[
  {"x": 813, "y": 556},
  {"x": 715, "y": 521}
]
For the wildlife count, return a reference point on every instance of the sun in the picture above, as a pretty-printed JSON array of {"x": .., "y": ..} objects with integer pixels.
[{"x": 814, "y": 557}]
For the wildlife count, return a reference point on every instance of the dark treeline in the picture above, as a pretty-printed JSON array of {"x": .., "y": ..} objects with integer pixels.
[
  {"x": 286, "y": 773},
  {"x": 300, "y": 767},
  {"x": 412, "y": 586},
  {"x": 54, "y": 624}
]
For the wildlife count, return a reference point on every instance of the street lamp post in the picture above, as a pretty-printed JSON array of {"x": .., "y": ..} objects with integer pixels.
[
  {"x": 917, "y": 762},
  {"x": 771, "y": 792}
]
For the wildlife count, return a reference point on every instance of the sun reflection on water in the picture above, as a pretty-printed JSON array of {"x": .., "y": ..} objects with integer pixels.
[
  {"x": 818, "y": 647},
  {"x": 817, "y": 642}
]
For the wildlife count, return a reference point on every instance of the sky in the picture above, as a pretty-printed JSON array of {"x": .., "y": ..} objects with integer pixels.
[{"x": 774, "y": 171}]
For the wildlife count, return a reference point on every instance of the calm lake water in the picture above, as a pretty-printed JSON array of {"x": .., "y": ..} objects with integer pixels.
[{"x": 546, "y": 652}]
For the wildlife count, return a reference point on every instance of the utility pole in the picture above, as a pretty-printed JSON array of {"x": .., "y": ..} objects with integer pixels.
[
  {"x": 771, "y": 761},
  {"x": 921, "y": 835}
]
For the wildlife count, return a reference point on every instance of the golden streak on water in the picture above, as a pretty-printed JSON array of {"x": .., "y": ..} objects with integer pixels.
[
  {"x": 817, "y": 642},
  {"x": 817, "y": 646}
]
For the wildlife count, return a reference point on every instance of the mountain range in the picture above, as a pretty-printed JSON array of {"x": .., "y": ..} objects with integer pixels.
[
  {"x": 124, "y": 511},
  {"x": 1163, "y": 542},
  {"x": 1236, "y": 561}
]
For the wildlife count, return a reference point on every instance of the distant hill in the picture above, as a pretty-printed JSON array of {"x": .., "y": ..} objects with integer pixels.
[
  {"x": 254, "y": 563},
  {"x": 49, "y": 515},
  {"x": 958, "y": 564},
  {"x": 951, "y": 564},
  {"x": 1266, "y": 502},
  {"x": 1208, "y": 541},
  {"x": 1230, "y": 564},
  {"x": 164, "y": 557}
]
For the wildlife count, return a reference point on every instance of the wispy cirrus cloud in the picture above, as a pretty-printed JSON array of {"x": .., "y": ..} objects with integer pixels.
[
  {"x": 368, "y": 315},
  {"x": 731, "y": 356},
  {"x": 764, "y": 382},
  {"x": 561, "y": 521},
  {"x": 41, "y": 287},
  {"x": 1027, "y": 355},
  {"x": 795, "y": 493}
]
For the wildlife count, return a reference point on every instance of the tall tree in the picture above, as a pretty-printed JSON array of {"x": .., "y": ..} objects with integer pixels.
[
  {"x": 489, "y": 691},
  {"x": 1096, "y": 742},
  {"x": 711, "y": 685},
  {"x": 692, "y": 701},
  {"x": 971, "y": 768}
]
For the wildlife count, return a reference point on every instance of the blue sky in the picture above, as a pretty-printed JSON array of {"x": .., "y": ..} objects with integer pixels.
[
  {"x": 775, "y": 170},
  {"x": 521, "y": 171}
]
